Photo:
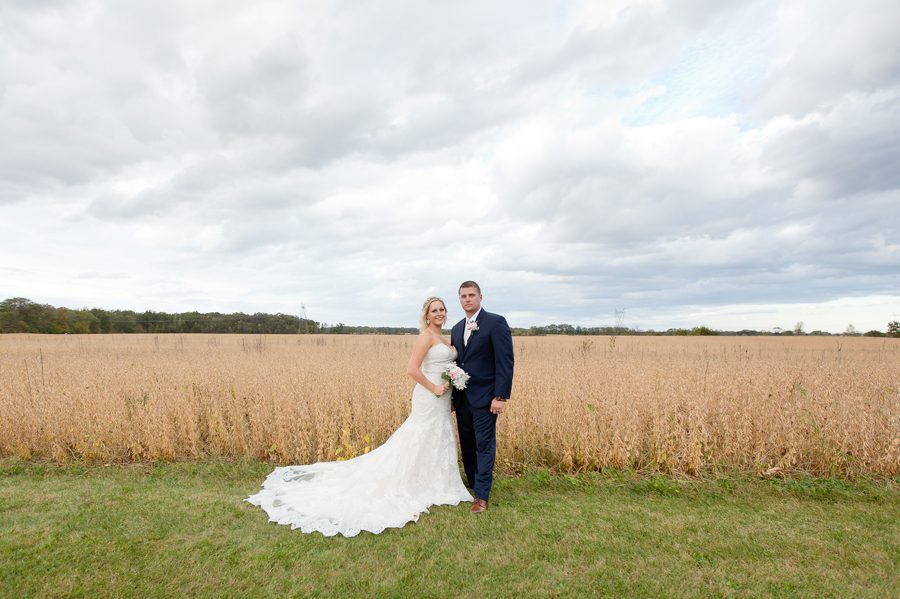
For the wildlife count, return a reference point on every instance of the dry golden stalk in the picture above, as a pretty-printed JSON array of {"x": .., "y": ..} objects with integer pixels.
[{"x": 685, "y": 406}]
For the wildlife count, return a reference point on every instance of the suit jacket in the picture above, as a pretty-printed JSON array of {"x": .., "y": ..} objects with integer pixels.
[{"x": 488, "y": 359}]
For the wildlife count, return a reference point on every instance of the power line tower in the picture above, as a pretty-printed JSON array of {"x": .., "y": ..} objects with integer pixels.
[
  {"x": 618, "y": 328},
  {"x": 304, "y": 321},
  {"x": 620, "y": 321}
]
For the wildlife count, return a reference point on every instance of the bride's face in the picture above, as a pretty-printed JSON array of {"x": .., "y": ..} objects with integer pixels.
[{"x": 437, "y": 313}]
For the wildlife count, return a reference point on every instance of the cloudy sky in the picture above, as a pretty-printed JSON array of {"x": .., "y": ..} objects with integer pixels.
[{"x": 731, "y": 163}]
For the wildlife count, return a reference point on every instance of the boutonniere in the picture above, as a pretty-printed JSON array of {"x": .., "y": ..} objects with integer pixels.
[{"x": 472, "y": 327}]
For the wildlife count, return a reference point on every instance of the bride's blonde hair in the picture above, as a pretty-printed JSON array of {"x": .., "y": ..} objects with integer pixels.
[{"x": 423, "y": 317}]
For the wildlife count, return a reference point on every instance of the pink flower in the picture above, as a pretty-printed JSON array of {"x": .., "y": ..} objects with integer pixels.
[{"x": 455, "y": 375}]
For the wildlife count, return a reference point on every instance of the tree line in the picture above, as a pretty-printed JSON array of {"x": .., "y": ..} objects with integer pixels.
[{"x": 21, "y": 315}]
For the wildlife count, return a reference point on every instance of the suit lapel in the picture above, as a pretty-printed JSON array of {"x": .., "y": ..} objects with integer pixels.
[{"x": 458, "y": 332}]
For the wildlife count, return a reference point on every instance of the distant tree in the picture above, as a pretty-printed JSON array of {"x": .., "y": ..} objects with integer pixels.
[
  {"x": 11, "y": 322},
  {"x": 11, "y": 318},
  {"x": 124, "y": 321},
  {"x": 798, "y": 328},
  {"x": 703, "y": 330},
  {"x": 874, "y": 333},
  {"x": 851, "y": 331},
  {"x": 81, "y": 322},
  {"x": 22, "y": 315},
  {"x": 893, "y": 328},
  {"x": 103, "y": 320}
]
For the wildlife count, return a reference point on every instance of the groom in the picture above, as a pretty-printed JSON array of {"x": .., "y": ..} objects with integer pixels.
[{"x": 484, "y": 349}]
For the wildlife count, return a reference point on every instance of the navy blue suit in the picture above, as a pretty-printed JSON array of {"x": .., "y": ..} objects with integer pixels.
[{"x": 488, "y": 358}]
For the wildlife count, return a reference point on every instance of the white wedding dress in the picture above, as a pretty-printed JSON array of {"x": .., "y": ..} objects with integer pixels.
[{"x": 385, "y": 488}]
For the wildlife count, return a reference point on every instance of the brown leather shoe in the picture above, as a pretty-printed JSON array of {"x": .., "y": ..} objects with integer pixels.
[{"x": 478, "y": 506}]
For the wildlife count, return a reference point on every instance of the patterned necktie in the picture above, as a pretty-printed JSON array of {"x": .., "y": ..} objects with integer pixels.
[{"x": 467, "y": 333}]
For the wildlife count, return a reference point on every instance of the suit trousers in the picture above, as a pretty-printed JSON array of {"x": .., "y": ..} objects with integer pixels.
[{"x": 478, "y": 444}]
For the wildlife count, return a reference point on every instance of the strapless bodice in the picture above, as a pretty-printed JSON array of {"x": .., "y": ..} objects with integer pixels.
[{"x": 437, "y": 358}]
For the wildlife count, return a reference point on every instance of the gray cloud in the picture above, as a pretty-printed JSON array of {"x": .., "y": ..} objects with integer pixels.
[
  {"x": 851, "y": 147},
  {"x": 825, "y": 49}
]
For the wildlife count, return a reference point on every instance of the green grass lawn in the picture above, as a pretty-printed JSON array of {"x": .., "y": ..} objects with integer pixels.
[{"x": 183, "y": 530}]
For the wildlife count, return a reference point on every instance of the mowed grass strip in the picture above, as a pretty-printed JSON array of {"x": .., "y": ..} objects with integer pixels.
[{"x": 182, "y": 529}]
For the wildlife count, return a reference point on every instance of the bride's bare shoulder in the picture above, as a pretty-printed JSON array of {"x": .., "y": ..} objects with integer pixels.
[{"x": 427, "y": 339}]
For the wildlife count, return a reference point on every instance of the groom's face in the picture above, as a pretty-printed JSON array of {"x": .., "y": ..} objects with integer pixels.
[{"x": 470, "y": 300}]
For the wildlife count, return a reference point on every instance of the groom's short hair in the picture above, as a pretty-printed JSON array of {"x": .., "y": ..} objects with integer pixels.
[{"x": 469, "y": 284}]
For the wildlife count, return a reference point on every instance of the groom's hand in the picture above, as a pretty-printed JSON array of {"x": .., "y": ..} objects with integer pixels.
[{"x": 497, "y": 406}]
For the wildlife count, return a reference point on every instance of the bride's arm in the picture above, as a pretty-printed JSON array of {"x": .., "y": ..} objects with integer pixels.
[{"x": 414, "y": 368}]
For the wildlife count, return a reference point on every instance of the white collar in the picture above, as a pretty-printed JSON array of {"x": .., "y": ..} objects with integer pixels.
[{"x": 474, "y": 316}]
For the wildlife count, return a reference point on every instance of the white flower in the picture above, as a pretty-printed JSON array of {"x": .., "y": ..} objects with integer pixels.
[{"x": 455, "y": 375}]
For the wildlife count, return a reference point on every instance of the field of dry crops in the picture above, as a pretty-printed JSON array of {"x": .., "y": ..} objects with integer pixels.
[{"x": 680, "y": 405}]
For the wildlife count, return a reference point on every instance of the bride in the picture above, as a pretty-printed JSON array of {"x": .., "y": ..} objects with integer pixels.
[{"x": 392, "y": 484}]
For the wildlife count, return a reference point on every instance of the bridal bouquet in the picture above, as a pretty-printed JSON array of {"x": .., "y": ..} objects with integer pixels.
[{"x": 455, "y": 375}]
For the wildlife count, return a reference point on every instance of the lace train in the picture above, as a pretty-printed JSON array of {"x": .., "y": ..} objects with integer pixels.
[{"x": 385, "y": 488}]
